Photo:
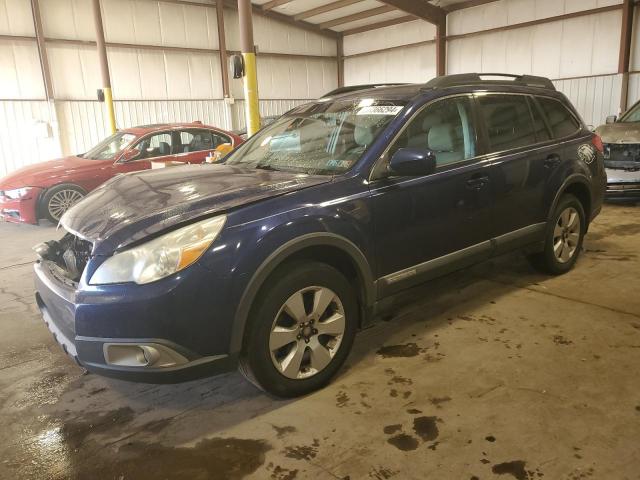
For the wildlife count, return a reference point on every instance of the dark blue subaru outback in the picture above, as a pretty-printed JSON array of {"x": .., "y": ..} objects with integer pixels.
[{"x": 272, "y": 260}]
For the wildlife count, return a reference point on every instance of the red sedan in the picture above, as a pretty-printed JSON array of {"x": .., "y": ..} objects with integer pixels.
[{"x": 48, "y": 189}]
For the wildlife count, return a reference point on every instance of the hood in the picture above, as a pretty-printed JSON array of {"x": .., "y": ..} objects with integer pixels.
[
  {"x": 620, "y": 133},
  {"x": 43, "y": 174},
  {"x": 130, "y": 207}
]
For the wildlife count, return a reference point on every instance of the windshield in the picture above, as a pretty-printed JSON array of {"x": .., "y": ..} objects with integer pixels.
[
  {"x": 323, "y": 138},
  {"x": 632, "y": 115},
  {"x": 110, "y": 147}
]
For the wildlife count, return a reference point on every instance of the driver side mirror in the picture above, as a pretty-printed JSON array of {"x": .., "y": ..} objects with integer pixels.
[
  {"x": 413, "y": 162},
  {"x": 612, "y": 119},
  {"x": 130, "y": 155}
]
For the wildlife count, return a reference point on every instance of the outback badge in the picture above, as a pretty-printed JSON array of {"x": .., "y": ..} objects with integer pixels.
[{"x": 586, "y": 153}]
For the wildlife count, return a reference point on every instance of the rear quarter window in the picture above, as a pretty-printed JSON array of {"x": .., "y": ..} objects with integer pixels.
[{"x": 561, "y": 120}]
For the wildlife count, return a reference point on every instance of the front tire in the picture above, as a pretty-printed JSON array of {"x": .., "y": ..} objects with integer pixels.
[
  {"x": 57, "y": 200},
  {"x": 301, "y": 329},
  {"x": 564, "y": 237}
]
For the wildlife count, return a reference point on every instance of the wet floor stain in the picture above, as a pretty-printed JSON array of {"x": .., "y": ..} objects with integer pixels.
[
  {"x": 391, "y": 429},
  {"x": 515, "y": 468},
  {"x": 560, "y": 340},
  {"x": 426, "y": 428},
  {"x": 281, "y": 473},
  {"x": 399, "y": 351},
  {"x": 45, "y": 391},
  {"x": 381, "y": 473},
  {"x": 342, "y": 399},
  {"x": 403, "y": 442},
  {"x": 438, "y": 401},
  {"x": 214, "y": 458},
  {"x": 282, "y": 432},
  {"x": 76, "y": 430},
  {"x": 303, "y": 452}
]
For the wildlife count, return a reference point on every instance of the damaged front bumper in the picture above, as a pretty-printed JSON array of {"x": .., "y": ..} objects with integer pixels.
[{"x": 623, "y": 183}]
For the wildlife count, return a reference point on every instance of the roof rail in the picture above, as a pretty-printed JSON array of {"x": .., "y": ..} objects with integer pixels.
[
  {"x": 355, "y": 88},
  {"x": 464, "y": 79}
]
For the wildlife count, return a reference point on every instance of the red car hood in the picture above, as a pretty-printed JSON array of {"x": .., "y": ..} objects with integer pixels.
[{"x": 44, "y": 174}]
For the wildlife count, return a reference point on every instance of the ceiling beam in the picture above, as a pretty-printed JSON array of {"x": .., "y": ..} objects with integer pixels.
[
  {"x": 274, "y": 4},
  {"x": 310, "y": 27},
  {"x": 357, "y": 16},
  {"x": 421, "y": 9},
  {"x": 467, "y": 4},
  {"x": 375, "y": 26},
  {"x": 324, "y": 9}
]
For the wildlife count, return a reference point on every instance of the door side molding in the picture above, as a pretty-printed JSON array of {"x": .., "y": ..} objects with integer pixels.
[{"x": 436, "y": 267}]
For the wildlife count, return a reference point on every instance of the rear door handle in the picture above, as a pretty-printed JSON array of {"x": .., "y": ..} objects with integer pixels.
[
  {"x": 552, "y": 161},
  {"x": 477, "y": 182}
]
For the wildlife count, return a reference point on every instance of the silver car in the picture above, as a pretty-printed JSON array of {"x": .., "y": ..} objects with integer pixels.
[{"x": 621, "y": 138}]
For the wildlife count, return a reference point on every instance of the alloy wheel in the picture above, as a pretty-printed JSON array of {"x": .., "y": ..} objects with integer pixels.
[
  {"x": 61, "y": 201},
  {"x": 566, "y": 235},
  {"x": 307, "y": 332}
]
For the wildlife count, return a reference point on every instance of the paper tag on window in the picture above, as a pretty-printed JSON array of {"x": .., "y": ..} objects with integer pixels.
[{"x": 380, "y": 110}]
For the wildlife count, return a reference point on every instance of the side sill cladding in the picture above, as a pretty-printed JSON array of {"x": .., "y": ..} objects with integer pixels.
[{"x": 283, "y": 253}]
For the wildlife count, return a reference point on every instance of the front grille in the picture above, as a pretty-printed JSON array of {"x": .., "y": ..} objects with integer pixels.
[
  {"x": 622, "y": 155},
  {"x": 68, "y": 256}
]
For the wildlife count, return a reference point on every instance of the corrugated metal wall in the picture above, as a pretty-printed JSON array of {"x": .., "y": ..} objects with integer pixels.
[
  {"x": 28, "y": 134},
  {"x": 594, "y": 97},
  {"x": 152, "y": 83},
  {"x": 585, "y": 47}
]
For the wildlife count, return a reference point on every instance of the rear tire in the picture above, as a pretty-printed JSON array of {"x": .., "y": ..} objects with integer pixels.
[
  {"x": 563, "y": 238},
  {"x": 57, "y": 200},
  {"x": 301, "y": 329}
]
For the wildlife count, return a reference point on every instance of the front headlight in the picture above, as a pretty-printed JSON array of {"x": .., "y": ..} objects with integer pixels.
[
  {"x": 17, "y": 193},
  {"x": 160, "y": 257}
]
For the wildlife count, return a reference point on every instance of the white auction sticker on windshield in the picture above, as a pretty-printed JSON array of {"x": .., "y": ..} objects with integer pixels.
[{"x": 380, "y": 110}]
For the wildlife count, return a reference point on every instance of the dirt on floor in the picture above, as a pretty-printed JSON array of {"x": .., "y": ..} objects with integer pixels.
[{"x": 496, "y": 372}]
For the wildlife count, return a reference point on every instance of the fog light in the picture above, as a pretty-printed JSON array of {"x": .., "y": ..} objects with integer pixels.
[{"x": 141, "y": 355}]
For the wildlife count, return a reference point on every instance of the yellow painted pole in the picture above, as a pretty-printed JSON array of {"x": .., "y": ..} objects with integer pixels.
[
  {"x": 108, "y": 100},
  {"x": 250, "y": 81}
]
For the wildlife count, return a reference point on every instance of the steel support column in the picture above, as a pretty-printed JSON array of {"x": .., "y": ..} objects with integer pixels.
[
  {"x": 42, "y": 50},
  {"x": 222, "y": 46},
  {"x": 247, "y": 48},
  {"x": 340, "y": 58},
  {"x": 104, "y": 65},
  {"x": 625, "y": 50},
  {"x": 441, "y": 48}
]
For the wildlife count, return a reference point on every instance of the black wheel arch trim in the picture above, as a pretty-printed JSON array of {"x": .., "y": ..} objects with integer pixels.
[
  {"x": 571, "y": 180},
  {"x": 279, "y": 256}
]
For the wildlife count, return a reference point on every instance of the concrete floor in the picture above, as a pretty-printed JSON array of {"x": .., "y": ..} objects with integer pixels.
[{"x": 496, "y": 372}]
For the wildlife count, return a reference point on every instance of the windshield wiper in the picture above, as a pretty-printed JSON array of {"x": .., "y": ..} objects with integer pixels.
[{"x": 266, "y": 167}]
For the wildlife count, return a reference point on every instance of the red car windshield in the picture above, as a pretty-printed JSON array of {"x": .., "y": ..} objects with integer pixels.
[{"x": 110, "y": 147}]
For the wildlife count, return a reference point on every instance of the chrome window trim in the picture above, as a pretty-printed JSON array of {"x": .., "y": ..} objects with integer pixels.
[{"x": 486, "y": 156}]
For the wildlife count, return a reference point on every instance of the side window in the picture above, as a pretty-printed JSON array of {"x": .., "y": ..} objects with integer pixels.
[
  {"x": 508, "y": 121},
  {"x": 157, "y": 145},
  {"x": 562, "y": 122},
  {"x": 446, "y": 127}
]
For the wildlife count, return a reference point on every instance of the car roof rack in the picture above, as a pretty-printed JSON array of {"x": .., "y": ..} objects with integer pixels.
[
  {"x": 355, "y": 88},
  {"x": 465, "y": 79}
]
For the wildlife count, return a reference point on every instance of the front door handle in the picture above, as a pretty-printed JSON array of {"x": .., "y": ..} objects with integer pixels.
[
  {"x": 477, "y": 182},
  {"x": 552, "y": 161}
]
